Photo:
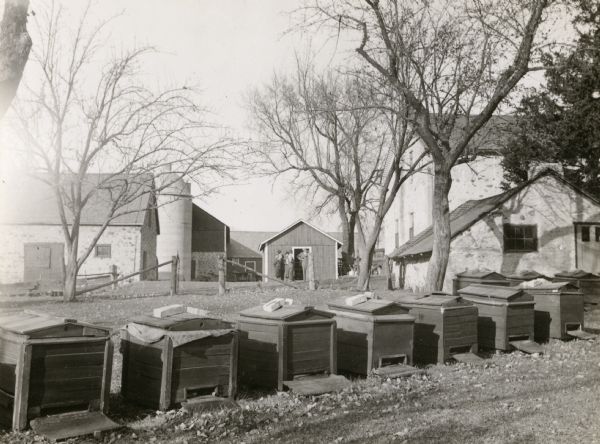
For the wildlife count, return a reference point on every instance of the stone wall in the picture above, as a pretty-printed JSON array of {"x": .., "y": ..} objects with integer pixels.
[
  {"x": 124, "y": 241},
  {"x": 206, "y": 268}
]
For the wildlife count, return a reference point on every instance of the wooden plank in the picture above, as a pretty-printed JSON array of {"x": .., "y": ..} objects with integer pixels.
[
  {"x": 167, "y": 369},
  {"x": 233, "y": 365},
  {"x": 468, "y": 358},
  {"x": 527, "y": 346},
  {"x": 105, "y": 391},
  {"x": 204, "y": 403},
  {"x": 317, "y": 385},
  {"x": 23, "y": 371},
  {"x": 581, "y": 334},
  {"x": 70, "y": 425},
  {"x": 398, "y": 371},
  {"x": 282, "y": 359}
]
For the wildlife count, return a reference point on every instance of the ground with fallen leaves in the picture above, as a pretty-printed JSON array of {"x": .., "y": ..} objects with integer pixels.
[{"x": 512, "y": 398}]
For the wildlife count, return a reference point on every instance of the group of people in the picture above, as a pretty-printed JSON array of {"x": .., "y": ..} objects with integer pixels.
[{"x": 284, "y": 264}]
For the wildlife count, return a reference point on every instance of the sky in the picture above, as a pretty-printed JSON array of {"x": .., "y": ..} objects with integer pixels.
[{"x": 224, "y": 48}]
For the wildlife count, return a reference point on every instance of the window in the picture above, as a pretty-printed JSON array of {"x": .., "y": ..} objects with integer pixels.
[
  {"x": 103, "y": 250},
  {"x": 585, "y": 234},
  {"x": 520, "y": 237},
  {"x": 250, "y": 264},
  {"x": 597, "y": 234}
]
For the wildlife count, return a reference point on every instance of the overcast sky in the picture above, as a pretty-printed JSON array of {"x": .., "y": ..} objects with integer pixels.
[{"x": 223, "y": 47}]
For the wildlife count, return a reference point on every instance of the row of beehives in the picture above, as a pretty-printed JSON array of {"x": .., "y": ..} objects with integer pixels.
[{"x": 51, "y": 364}]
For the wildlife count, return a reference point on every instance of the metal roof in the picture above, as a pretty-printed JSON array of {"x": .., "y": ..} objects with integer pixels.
[
  {"x": 492, "y": 292},
  {"x": 283, "y": 313},
  {"x": 527, "y": 275},
  {"x": 576, "y": 274},
  {"x": 553, "y": 287},
  {"x": 437, "y": 299},
  {"x": 298, "y": 222},
  {"x": 481, "y": 274},
  {"x": 26, "y": 323},
  {"x": 371, "y": 306},
  {"x": 176, "y": 319}
]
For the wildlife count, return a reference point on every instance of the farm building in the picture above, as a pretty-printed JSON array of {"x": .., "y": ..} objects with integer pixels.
[
  {"x": 243, "y": 249},
  {"x": 33, "y": 241},
  {"x": 296, "y": 237},
  {"x": 545, "y": 224}
]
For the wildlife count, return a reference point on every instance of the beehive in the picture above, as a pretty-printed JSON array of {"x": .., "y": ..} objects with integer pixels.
[
  {"x": 50, "y": 365},
  {"x": 170, "y": 360},
  {"x": 444, "y": 325},
  {"x": 525, "y": 276},
  {"x": 588, "y": 283},
  {"x": 505, "y": 314},
  {"x": 470, "y": 277},
  {"x": 292, "y": 341},
  {"x": 558, "y": 310},
  {"x": 372, "y": 334}
]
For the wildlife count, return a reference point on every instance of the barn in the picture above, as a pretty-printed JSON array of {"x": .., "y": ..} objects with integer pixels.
[
  {"x": 545, "y": 224},
  {"x": 296, "y": 237}
]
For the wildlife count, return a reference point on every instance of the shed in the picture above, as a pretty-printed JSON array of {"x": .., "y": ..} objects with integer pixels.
[
  {"x": 297, "y": 237},
  {"x": 588, "y": 283},
  {"x": 278, "y": 346},
  {"x": 469, "y": 277},
  {"x": 558, "y": 310},
  {"x": 373, "y": 334},
  {"x": 525, "y": 276},
  {"x": 445, "y": 326},
  {"x": 505, "y": 314},
  {"x": 50, "y": 364},
  {"x": 173, "y": 359}
]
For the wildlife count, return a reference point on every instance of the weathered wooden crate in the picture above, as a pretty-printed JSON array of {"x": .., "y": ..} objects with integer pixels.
[
  {"x": 470, "y": 277},
  {"x": 372, "y": 334},
  {"x": 588, "y": 283},
  {"x": 167, "y": 361},
  {"x": 445, "y": 325},
  {"x": 287, "y": 343},
  {"x": 506, "y": 314},
  {"x": 525, "y": 276},
  {"x": 52, "y": 365},
  {"x": 558, "y": 310}
]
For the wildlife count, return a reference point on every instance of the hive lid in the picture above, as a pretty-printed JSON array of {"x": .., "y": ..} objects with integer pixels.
[
  {"x": 494, "y": 292},
  {"x": 527, "y": 275},
  {"x": 436, "y": 299},
  {"x": 576, "y": 274},
  {"x": 480, "y": 274},
  {"x": 371, "y": 306},
  {"x": 555, "y": 287},
  {"x": 288, "y": 313},
  {"x": 176, "y": 320},
  {"x": 42, "y": 325}
]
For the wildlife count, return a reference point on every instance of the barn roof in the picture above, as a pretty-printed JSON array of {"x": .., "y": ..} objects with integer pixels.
[
  {"x": 471, "y": 212},
  {"x": 31, "y": 201},
  {"x": 237, "y": 249},
  {"x": 292, "y": 226}
]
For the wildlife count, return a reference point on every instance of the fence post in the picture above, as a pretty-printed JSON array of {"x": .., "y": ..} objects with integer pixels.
[
  {"x": 174, "y": 275},
  {"x": 311, "y": 272},
  {"x": 388, "y": 273},
  {"x": 114, "y": 275},
  {"x": 221, "y": 268}
]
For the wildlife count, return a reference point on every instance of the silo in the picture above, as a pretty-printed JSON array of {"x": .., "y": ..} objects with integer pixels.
[{"x": 175, "y": 220}]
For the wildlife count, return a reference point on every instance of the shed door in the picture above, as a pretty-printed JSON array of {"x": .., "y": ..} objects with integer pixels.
[
  {"x": 587, "y": 242},
  {"x": 43, "y": 262}
]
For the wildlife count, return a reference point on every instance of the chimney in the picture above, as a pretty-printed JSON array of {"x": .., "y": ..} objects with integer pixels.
[{"x": 536, "y": 168}]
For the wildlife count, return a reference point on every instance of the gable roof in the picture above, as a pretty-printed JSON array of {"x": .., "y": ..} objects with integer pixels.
[
  {"x": 29, "y": 200},
  {"x": 237, "y": 249},
  {"x": 470, "y": 212},
  {"x": 250, "y": 239},
  {"x": 295, "y": 224}
]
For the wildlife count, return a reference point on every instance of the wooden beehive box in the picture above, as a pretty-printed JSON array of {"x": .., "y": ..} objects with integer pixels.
[
  {"x": 525, "y": 276},
  {"x": 445, "y": 325},
  {"x": 505, "y": 314},
  {"x": 52, "y": 365},
  {"x": 470, "y": 277},
  {"x": 588, "y": 283},
  {"x": 558, "y": 310},
  {"x": 372, "y": 334},
  {"x": 279, "y": 346},
  {"x": 169, "y": 360}
]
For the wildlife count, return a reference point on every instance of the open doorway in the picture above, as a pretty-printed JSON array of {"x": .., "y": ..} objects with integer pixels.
[{"x": 298, "y": 269}]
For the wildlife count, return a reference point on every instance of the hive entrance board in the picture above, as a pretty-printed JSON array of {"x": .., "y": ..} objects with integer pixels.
[
  {"x": 527, "y": 346},
  {"x": 317, "y": 385},
  {"x": 397, "y": 371},
  {"x": 581, "y": 334},
  {"x": 70, "y": 425},
  {"x": 467, "y": 358}
]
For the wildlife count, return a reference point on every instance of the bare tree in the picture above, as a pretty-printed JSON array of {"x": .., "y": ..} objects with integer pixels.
[
  {"x": 15, "y": 45},
  {"x": 86, "y": 118},
  {"x": 453, "y": 63},
  {"x": 338, "y": 137}
]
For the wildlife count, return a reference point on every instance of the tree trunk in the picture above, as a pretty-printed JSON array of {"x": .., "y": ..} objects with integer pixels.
[
  {"x": 348, "y": 226},
  {"x": 436, "y": 270},
  {"x": 71, "y": 270},
  {"x": 15, "y": 44},
  {"x": 364, "y": 267}
]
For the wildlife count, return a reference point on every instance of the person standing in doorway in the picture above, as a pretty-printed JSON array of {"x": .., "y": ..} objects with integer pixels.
[
  {"x": 279, "y": 265},
  {"x": 303, "y": 258},
  {"x": 289, "y": 265}
]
